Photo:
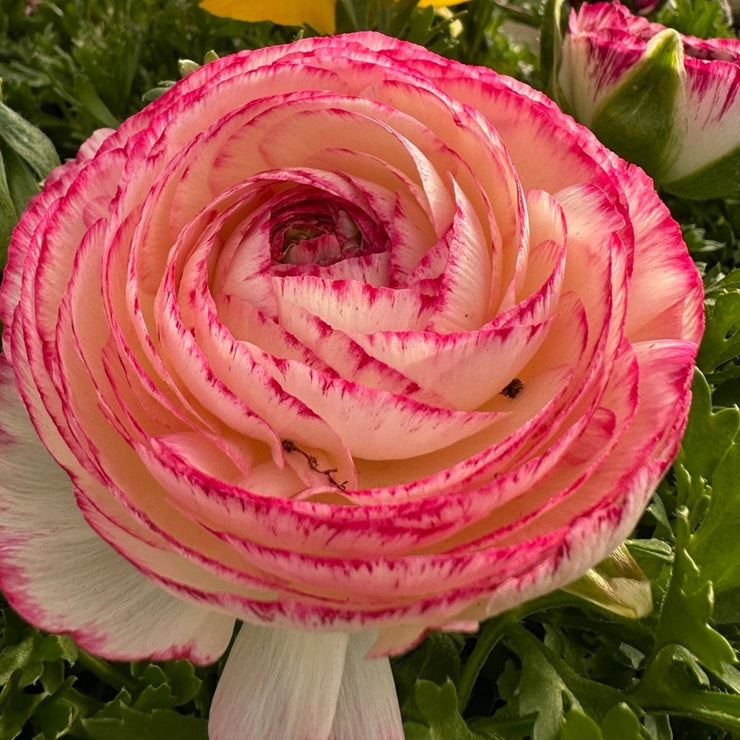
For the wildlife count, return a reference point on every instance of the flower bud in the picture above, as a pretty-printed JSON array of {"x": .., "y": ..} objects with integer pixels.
[{"x": 665, "y": 101}]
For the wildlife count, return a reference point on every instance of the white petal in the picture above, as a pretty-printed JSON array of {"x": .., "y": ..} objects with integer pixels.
[
  {"x": 57, "y": 572},
  {"x": 279, "y": 683},
  {"x": 368, "y": 704}
]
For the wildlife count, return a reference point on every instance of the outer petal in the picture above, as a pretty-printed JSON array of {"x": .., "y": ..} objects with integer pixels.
[
  {"x": 368, "y": 704},
  {"x": 279, "y": 683},
  {"x": 60, "y": 575}
]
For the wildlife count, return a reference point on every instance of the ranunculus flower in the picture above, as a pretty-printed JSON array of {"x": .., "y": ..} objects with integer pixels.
[
  {"x": 342, "y": 339},
  {"x": 316, "y": 13},
  {"x": 668, "y": 102}
]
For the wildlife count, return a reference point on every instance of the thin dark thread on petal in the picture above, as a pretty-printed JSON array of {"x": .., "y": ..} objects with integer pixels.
[{"x": 313, "y": 463}]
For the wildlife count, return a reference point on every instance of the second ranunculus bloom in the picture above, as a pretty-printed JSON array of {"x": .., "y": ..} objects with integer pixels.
[
  {"x": 342, "y": 339},
  {"x": 669, "y": 102}
]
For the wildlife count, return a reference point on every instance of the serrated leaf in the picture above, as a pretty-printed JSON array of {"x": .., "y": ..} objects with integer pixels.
[
  {"x": 721, "y": 341},
  {"x": 431, "y": 713},
  {"x": 549, "y": 687},
  {"x": 120, "y": 722},
  {"x": 15, "y": 658},
  {"x": 182, "y": 680},
  {"x": 658, "y": 727},
  {"x": 436, "y": 659},
  {"x": 667, "y": 688},
  {"x": 704, "y": 424},
  {"x": 715, "y": 545},
  {"x": 578, "y": 726},
  {"x": 55, "y": 714},
  {"x": 686, "y": 613},
  {"x": 621, "y": 723},
  {"x": 16, "y": 708}
]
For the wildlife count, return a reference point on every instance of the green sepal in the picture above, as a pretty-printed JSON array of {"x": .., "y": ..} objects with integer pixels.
[
  {"x": 616, "y": 584},
  {"x": 718, "y": 179},
  {"x": 636, "y": 119}
]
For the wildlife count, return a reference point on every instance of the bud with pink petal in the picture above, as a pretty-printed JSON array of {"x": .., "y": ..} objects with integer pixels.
[{"x": 668, "y": 102}]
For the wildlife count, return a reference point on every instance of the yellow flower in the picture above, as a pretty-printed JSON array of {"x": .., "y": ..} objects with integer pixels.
[{"x": 316, "y": 13}]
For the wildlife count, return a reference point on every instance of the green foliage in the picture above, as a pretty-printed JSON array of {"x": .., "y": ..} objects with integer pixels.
[
  {"x": 502, "y": 36},
  {"x": 52, "y": 689},
  {"x": 26, "y": 158},
  {"x": 703, "y": 18},
  {"x": 71, "y": 66}
]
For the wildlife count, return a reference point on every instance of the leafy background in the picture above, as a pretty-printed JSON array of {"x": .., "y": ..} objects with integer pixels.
[{"x": 563, "y": 666}]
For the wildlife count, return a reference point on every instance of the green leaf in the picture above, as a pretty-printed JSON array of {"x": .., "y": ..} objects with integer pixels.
[
  {"x": 16, "y": 708},
  {"x": 549, "y": 687},
  {"x": 87, "y": 97},
  {"x": 578, "y": 726},
  {"x": 55, "y": 715},
  {"x": 721, "y": 427},
  {"x": 636, "y": 119},
  {"x": 686, "y": 613},
  {"x": 703, "y": 18},
  {"x": 431, "y": 713},
  {"x": 118, "y": 721},
  {"x": 721, "y": 341},
  {"x": 715, "y": 545},
  {"x": 352, "y": 15},
  {"x": 28, "y": 142},
  {"x": 436, "y": 659},
  {"x": 620, "y": 723},
  {"x": 667, "y": 687},
  {"x": 166, "y": 686}
]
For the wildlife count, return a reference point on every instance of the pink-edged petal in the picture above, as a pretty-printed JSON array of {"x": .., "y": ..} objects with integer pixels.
[
  {"x": 279, "y": 683},
  {"x": 595, "y": 59},
  {"x": 462, "y": 302},
  {"x": 665, "y": 288},
  {"x": 356, "y": 308},
  {"x": 709, "y": 112},
  {"x": 465, "y": 368},
  {"x": 59, "y": 574}
]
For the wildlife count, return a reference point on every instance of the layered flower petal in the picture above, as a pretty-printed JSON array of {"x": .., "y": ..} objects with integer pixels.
[{"x": 391, "y": 377}]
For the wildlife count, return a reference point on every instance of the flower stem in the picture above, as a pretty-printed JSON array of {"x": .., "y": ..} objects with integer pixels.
[
  {"x": 491, "y": 633},
  {"x": 107, "y": 672}
]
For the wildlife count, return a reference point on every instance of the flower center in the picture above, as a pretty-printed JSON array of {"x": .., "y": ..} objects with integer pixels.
[{"x": 316, "y": 239}]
